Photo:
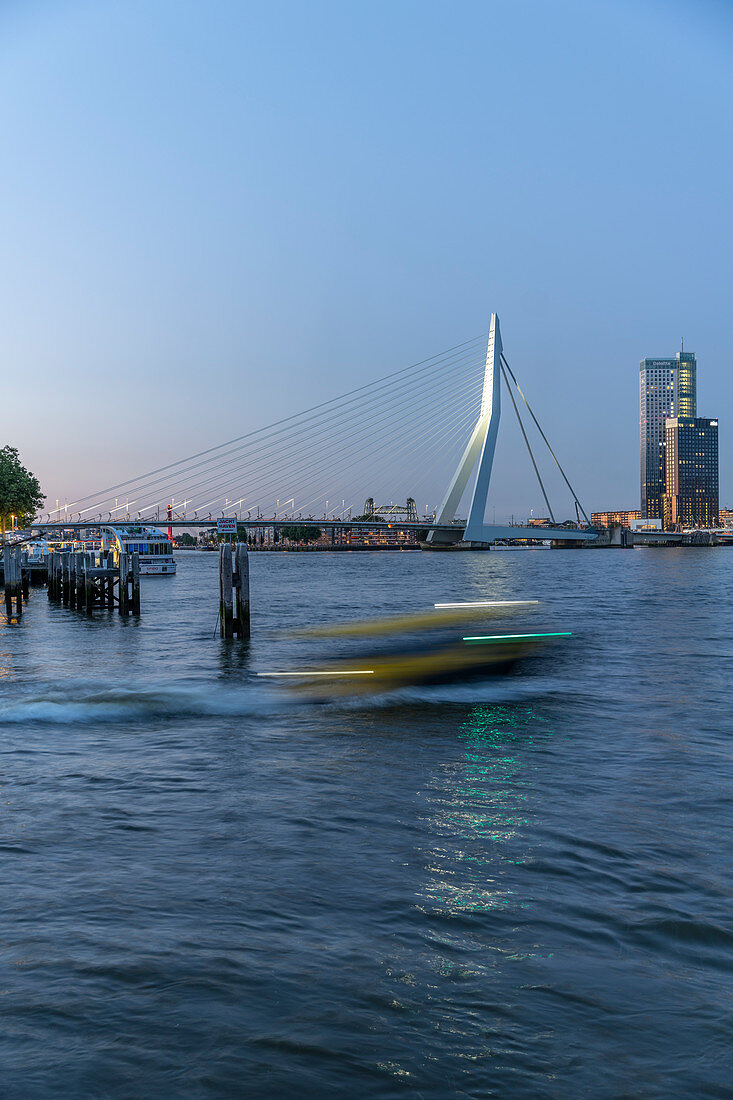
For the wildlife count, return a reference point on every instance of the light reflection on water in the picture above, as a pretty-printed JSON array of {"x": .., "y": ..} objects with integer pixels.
[{"x": 477, "y": 808}]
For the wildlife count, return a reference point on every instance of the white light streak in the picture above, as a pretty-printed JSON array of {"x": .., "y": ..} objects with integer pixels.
[{"x": 491, "y": 603}]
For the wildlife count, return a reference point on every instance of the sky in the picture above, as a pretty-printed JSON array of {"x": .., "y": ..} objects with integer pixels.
[{"x": 215, "y": 215}]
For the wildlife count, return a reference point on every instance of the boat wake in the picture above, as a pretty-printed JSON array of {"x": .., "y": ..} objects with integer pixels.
[{"x": 76, "y": 704}]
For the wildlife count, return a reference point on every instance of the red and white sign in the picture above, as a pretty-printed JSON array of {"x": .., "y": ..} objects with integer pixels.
[{"x": 227, "y": 526}]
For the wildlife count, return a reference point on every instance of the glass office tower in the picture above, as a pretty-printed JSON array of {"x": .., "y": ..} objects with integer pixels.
[
  {"x": 667, "y": 388},
  {"x": 691, "y": 472}
]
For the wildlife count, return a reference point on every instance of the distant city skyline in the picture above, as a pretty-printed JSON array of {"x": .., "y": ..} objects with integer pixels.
[{"x": 216, "y": 217}]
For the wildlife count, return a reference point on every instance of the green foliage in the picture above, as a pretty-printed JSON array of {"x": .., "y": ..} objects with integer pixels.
[
  {"x": 20, "y": 491},
  {"x": 297, "y": 533},
  {"x": 185, "y": 539}
]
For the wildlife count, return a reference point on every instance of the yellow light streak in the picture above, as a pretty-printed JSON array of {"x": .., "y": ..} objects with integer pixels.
[{"x": 309, "y": 672}]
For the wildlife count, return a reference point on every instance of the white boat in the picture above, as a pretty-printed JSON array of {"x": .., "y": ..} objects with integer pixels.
[
  {"x": 153, "y": 546},
  {"x": 37, "y": 549}
]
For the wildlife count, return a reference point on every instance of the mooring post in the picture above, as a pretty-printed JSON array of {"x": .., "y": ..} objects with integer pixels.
[
  {"x": 65, "y": 577},
  {"x": 79, "y": 578},
  {"x": 70, "y": 579},
  {"x": 57, "y": 575},
  {"x": 88, "y": 583},
  {"x": 13, "y": 582},
  {"x": 109, "y": 561},
  {"x": 7, "y": 580},
  {"x": 25, "y": 575},
  {"x": 242, "y": 591},
  {"x": 226, "y": 610},
  {"x": 123, "y": 591},
  {"x": 19, "y": 580},
  {"x": 135, "y": 583}
]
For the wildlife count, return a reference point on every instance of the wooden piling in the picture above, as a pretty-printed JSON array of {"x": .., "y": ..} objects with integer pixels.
[
  {"x": 57, "y": 575},
  {"x": 135, "y": 583},
  {"x": 80, "y": 580},
  {"x": 72, "y": 579},
  {"x": 112, "y": 563},
  {"x": 226, "y": 608},
  {"x": 89, "y": 587},
  {"x": 25, "y": 575},
  {"x": 123, "y": 589},
  {"x": 52, "y": 561},
  {"x": 12, "y": 580},
  {"x": 241, "y": 618},
  {"x": 65, "y": 577}
]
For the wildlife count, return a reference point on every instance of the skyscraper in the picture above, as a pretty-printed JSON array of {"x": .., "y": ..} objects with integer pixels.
[
  {"x": 667, "y": 388},
  {"x": 691, "y": 472}
]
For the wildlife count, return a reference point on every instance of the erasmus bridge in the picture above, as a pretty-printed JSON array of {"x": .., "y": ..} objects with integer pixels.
[{"x": 435, "y": 421}]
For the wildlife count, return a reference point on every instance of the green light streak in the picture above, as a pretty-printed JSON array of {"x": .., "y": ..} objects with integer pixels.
[{"x": 513, "y": 637}]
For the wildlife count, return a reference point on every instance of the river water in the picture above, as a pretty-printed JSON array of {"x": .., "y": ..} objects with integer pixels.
[{"x": 512, "y": 889}]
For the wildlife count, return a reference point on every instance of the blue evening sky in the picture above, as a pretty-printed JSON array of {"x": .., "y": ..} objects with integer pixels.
[{"x": 214, "y": 214}]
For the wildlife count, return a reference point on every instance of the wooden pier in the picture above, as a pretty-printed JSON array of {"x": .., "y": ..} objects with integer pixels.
[{"x": 85, "y": 579}]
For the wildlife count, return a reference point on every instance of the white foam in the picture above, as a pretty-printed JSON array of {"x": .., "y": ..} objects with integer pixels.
[{"x": 78, "y": 705}]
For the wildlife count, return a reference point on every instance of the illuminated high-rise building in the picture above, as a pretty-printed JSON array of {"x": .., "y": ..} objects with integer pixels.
[
  {"x": 691, "y": 472},
  {"x": 667, "y": 388}
]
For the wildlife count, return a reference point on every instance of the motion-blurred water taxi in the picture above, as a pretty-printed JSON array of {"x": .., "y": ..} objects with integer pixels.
[{"x": 448, "y": 644}]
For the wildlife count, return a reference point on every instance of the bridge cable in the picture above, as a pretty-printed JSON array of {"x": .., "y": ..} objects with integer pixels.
[
  {"x": 456, "y": 425},
  {"x": 547, "y": 442},
  {"x": 524, "y": 434},
  {"x": 302, "y": 437},
  {"x": 423, "y": 363},
  {"x": 303, "y": 448}
]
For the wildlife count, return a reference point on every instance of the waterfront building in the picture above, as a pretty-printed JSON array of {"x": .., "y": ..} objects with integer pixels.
[
  {"x": 691, "y": 472},
  {"x": 725, "y": 517},
  {"x": 615, "y": 519},
  {"x": 667, "y": 388}
]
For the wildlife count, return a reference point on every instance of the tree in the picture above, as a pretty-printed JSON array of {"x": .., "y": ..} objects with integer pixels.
[
  {"x": 20, "y": 490},
  {"x": 298, "y": 533}
]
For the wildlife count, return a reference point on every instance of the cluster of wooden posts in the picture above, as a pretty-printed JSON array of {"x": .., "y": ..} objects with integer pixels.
[
  {"x": 16, "y": 579},
  {"x": 234, "y": 591},
  {"x": 86, "y": 579}
]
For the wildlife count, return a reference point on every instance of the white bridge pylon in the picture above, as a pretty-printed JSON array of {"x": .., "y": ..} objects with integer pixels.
[{"x": 481, "y": 447}]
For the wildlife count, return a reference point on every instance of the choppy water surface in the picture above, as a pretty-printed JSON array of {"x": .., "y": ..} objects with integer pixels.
[{"x": 517, "y": 889}]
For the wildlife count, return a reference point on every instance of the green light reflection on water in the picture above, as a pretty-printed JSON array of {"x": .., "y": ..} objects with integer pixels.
[{"x": 478, "y": 808}]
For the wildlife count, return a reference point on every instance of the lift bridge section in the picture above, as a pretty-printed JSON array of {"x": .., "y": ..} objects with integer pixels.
[{"x": 480, "y": 451}]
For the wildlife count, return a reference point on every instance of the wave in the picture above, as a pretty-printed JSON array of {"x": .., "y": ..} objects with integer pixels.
[
  {"x": 74, "y": 704},
  {"x": 78, "y": 703}
]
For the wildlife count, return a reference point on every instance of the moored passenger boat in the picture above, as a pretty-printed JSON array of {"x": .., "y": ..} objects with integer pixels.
[{"x": 153, "y": 546}]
